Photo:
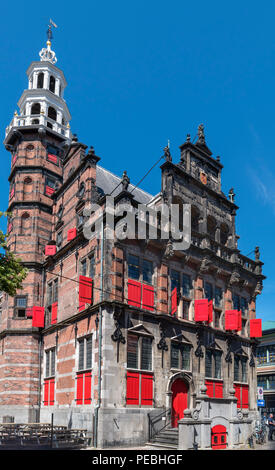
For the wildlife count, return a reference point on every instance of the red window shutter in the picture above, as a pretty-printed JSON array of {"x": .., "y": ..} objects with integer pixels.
[
  {"x": 49, "y": 191},
  {"x": 132, "y": 389},
  {"x": 238, "y": 395},
  {"x": 38, "y": 317},
  {"x": 46, "y": 392},
  {"x": 210, "y": 388},
  {"x": 79, "y": 389},
  {"x": 29, "y": 312},
  {"x": 239, "y": 320},
  {"x": 85, "y": 290},
  {"x": 50, "y": 250},
  {"x": 231, "y": 320},
  {"x": 14, "y": 159},
  {"x": 71, "y": 234},
  {"x": 255, "y": 328},
  {"x": 201, "y": 310},
  {"x": 134, "y": 293},
  {"x": 9, "y": 228},
  {"x": 174, "y": 301},
  {"x": 51, "y": 401},
  {"x": 81, "y": 306},
  {"x": 218, "y": 390},
  {"x": 54, "y": 313},
  {"x": 148, "y": 297},
  {"x": 52, "y": 158},
  {"x": 245, "y": 394},
  {"x": 88, "y": 388},
  {"x": 147, "y": 389},
  {"x": 210, "y": 311},
  {"x": 12, "y": 193}
]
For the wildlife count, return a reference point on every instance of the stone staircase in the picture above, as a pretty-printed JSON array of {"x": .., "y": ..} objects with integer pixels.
[{"x": 165, "y": 439}]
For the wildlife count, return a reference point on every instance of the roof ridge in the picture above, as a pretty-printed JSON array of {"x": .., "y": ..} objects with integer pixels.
[{"x": 119, "y": 178}]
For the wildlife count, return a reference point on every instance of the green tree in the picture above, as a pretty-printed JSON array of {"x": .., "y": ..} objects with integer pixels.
[{"x": 12, "y": 272}]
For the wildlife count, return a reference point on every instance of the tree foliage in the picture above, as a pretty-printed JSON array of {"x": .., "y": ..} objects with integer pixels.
[{"x": 12, "y": 272}]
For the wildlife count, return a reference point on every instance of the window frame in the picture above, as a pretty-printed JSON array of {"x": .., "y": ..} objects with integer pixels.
[
  {"x": 87, "y": 366},
  {"x": 17, "y": 307},
  {"x": 181, "y": 346},
  {"x": 140, "y": 267},
  {"x": 139, "y": 340}
]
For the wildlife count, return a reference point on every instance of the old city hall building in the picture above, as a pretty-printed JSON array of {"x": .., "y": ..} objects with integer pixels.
[{"x": 123, "y": 337}]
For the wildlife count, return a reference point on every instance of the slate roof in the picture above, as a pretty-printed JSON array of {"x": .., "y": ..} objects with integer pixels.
[{"x": 107, "y": 182}]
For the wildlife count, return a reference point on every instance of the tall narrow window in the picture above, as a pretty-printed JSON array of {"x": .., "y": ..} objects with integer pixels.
[
  {"x": 147, "y": 271},
  {"x": 133, "y": 267},
  {"x": 132, "y": 352},
  {"x": 208, "y": 289},
  {"x": 52, "y": 84},
  {"x": 20, "y": 306},
  {"x": 52, "y": 113},
  {"x": 40, "y": 80},
  {"x": 146, "y": 354}
]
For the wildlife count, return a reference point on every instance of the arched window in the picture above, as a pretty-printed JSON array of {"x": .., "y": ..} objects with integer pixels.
[
  {"x": 40, "y": 80},
  {"x": 25, "y": 224},
  {"x": 52, "y": 113},
  {"x": 52, "y": 84},
  {"x": 211, "y": 226},
  {"x": 224, "y": 234},
  {"x": 35, "y": 109}
]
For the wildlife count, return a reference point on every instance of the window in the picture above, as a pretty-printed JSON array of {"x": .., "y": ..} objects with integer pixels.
[
  {"x": 213, "y": 364},
  {"x": 182, "y": 282},
  {"x": 208, "y": 290},
  {"x": 20, "y": 306},
  {"x": 59, "y": 239},
  {"x": 180, "y": 356},
  {"x": 244, "y": 305},
  {"x": 85, "y": 353},
  {"x": 139, "y": 352},
  {"x": 35, "y": 109},
  {"x": 52, "y": 155},
  {"x": 40, "y": 80},
  {"x": 49, "y": 381},
  {"x": 52, "y": 113},
  {"x": 49, "y": 186},
  {"x": 236, "y": 302},
  {"x": 218, "y": 297},
  {"x": 267, "y": 381},
  {"x": 50, "y": 363},
  {"x": 52, "y": 84},
  {"x": 83, "y": 267},
  {"x": 91, "y": 266},
  {"x": 139, "y": 386},
  {"x": 242, "y": 394},
  {"x": 140, "y": 269},
  {"x": 240, "y": 369},
  {"x": 84, "y": 374}
]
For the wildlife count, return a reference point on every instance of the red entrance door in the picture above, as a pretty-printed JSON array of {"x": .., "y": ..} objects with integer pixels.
[
  {"x": 218, "y": 437},
  {"x": 179, "y": 400}
]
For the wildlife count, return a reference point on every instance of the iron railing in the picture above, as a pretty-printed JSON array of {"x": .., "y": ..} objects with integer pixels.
[{"x": 158, "y": 423}]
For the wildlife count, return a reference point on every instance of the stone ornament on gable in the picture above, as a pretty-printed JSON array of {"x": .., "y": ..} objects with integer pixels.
[{"x": 234, "y": 278}]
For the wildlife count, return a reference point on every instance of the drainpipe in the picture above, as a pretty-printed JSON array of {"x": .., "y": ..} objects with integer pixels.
[{"x": 99, "y": 338}]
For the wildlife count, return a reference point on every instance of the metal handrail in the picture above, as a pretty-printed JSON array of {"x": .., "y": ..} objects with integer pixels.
[{"x": 152, "y": 421}]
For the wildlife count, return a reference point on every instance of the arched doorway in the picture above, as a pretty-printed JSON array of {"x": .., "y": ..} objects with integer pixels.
[
  {"x": 179, "y": 391},
  {"x": 218, "y": 437}
]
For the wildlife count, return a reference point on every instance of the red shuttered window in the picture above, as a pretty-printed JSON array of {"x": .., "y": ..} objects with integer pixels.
[
  {"x": 54, "y": 313},
  {"x": 214, "y": 389},
  {"x": 85, "y": 290},
  {"x": 148, "y": 297},
  {"x": 50, "y": 250},
  {"x": 49, "y": 191},
  {"x": 146, "y": 389},
  {"x": 139, "y": 389},
  {"x": 255, "y": 328},
  {"x": 84, "y": 388},
  {"x": 38, "y": 317},
  {"x": 174, "y": 301},
  {"x": 71, "y": 234},
  {"x": 201, "y": 310},
  {"x": 242, "y": 394},
  {"x": 231, "y": 320},
  {"x": 134, "y": 293},
  {"x": 132, "y": 391},
  {"x": 52, "y": 158}
]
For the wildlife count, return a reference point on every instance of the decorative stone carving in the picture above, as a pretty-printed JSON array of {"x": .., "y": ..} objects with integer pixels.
[
  {"x": 125, "y": 181},
  {"x": 167, "y": 154},
  {"x": 205, "y": 265},
  {"x": 169, "y": 250},
  {"x": 199, "y": 351},
  {"x": 162, "y": 345},
  {"x": 234, "y": 278}
]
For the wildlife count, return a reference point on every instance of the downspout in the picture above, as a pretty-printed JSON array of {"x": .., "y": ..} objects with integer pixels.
[{"x": 99, "y": 337}]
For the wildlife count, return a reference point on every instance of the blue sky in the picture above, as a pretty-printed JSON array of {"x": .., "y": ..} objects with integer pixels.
[{"x": 142, "y": 72}]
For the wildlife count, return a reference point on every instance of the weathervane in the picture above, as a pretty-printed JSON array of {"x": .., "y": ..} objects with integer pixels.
[
  {"x": 48, "y": 54},
  {"x": 49, "y": 31}
]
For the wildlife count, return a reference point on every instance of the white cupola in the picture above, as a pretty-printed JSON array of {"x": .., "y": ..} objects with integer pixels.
[{"x": 42, "y": 103}]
